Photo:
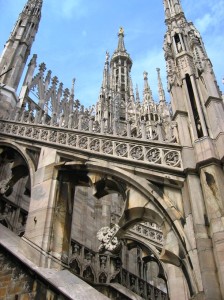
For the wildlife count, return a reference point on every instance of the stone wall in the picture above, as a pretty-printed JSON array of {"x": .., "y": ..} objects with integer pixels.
[{"x": 18, "y": 283}]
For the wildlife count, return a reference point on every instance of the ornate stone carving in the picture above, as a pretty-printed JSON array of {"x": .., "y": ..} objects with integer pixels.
[
  {"x": 153, "y": 155},
  {"x": 109, "y": 241},
  {"x": 62, "y": 138},
  {"x": 172, "y": 158},
  {"x": 95, "y": 145},
  {"x": 83, "y": 143},
  {"x": 44, "y": 135},
  {"x": 53, "y": 136},
  {"x": 28, "y": 131},
  {"x": 137, "y": 152},
  {"x": 72, "y": 140},
  {"x": 121, "y": 150},
  {"x": 107, "y": 147}
]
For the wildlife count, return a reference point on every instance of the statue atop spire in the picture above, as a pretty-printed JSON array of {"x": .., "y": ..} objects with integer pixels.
[{"x": 121, "y": 46}]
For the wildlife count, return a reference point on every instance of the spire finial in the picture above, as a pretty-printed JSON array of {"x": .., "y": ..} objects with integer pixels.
[
  {"x": 73, "y": 86},
  {"x": 147, "y": 91}
]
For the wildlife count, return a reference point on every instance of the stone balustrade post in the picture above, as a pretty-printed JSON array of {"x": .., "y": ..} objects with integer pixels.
[
  {"x": 129, "y": 128},
  {"x": 159, "y": 132},
  {"x": 115, "y": 126},
  {"x": 143, "y": 130},
  {"x": 91, "y": 124},
  {"x": 70, "y": 121},
  {"x": 80, "y": 123}
]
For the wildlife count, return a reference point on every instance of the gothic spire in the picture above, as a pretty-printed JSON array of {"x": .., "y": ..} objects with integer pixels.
[
  {"x": 106, "y": 72},
  {"x": 190, "y": 76},
  {"x": 121, "y": 50},
  {"x": 147, "y": 93},
  {"x": 17, "y": 48},
  {"x": 72, "y": 95},
  {"x": 137, "y": 94},
  {"x": 160, "y": 87}
]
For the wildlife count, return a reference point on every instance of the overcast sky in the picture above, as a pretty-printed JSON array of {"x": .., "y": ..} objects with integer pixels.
[{"x": 75, "y": 34}]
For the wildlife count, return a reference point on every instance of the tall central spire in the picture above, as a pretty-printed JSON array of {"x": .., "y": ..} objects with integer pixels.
[{"x": 121, "y": 64}]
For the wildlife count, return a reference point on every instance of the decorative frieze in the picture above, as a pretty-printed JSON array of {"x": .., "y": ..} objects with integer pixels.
[{"x": 109, "y": 145}]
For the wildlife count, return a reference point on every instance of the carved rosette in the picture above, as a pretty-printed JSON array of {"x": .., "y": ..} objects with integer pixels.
[
  {"x": 154, "y": 155},
  {"x": 15, "y": 129},
  {"x": 137, "y": 153},
  {"x": 36, "y": 134},
  {"x": 2, "y": 127},
  {"x": 21, "y": 130},
  {"x": 62, "y": 138},
  {"x": 121, "y": 150},
  {"x": 82, "y": 144},
  {"x": 172, "y": 159},
  {"x": 44, "y": 135},
  {"x": 53, "y": 136},
  {"x": 8, "y": 128},
  {"x": 28, "y": 131},
  {"x": 95, "y": 145},
  {"x": 107, "y": 147},
  {"x": 72, "y": 140}
]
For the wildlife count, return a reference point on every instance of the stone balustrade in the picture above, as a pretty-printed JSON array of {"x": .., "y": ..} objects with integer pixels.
[
  {"x": 149, "y": 231},
  {"x": 110, "y": 145},
  {"x": 107, "y": 269}
]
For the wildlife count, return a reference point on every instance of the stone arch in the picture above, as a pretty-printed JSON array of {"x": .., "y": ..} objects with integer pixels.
[
  {"x": 88, "y": 274},
  {"x": 22, "y": 151},
  {"x": 102, "y": 277},
  {"x": 75, "y": 266},
  {"x": 150, "y": 206},
  {"x": 149, "y": 254},
  {"x": 15, "y": 186},
  {"x": 152, "y": 271}
]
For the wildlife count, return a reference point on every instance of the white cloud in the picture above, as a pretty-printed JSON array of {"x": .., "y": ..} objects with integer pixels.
[
  {"x": 67, "y": 8},
  {"x": 84, "y": 33},
  {"x": 213, "y": 19},
  {"x": 203, "y": 23}
]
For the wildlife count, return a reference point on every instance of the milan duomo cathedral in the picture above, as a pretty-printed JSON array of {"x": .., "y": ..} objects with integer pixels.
[{"x": 123, "y": 200}]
